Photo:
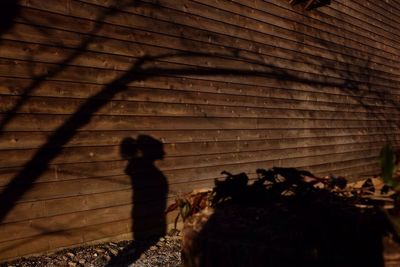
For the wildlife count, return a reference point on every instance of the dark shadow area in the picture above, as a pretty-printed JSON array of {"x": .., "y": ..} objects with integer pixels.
[
  {"x": 318, "y": 3},
  {"x": 149, "y": 195},
  {"x": 280, "y": 220},
  {"x": 9, "y": 9},
  {"x": 311, "y": 4}
]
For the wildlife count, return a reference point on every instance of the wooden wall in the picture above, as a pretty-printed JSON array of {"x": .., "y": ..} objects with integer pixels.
[{"x": 225, "y": 85}]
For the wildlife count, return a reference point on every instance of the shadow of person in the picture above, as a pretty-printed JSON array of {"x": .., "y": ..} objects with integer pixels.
[{"x": 150, "y": 189}]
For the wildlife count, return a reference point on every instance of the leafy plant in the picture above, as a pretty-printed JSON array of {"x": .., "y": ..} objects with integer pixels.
[
  {"x": 272, "y": 185},
  {"x": 280, "y": 186},
  {"x": 189, "y": 204},
  {"x": 387, "y": 160}
]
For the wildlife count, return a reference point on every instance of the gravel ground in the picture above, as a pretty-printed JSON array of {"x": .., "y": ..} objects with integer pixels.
[{"x": 164, "y": 252}]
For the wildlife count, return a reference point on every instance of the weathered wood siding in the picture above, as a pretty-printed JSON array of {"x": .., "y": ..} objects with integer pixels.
[{"x": 225, "y": 85}]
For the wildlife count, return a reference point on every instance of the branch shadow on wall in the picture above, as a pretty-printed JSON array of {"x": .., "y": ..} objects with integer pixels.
[
  {"x": 11, "y": 10},
  {"x": 362, "y": 81},
  {"x": 39, "y": 163},
  {"x": 141, "y": 70}
]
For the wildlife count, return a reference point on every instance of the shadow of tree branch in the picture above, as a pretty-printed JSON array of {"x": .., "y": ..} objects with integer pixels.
[{"x": 36, "y": 81}]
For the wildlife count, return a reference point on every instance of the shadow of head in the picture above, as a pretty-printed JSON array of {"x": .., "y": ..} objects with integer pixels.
[
  {"x": 144, "y": 147},
  {"x": 9, "y": 9}
]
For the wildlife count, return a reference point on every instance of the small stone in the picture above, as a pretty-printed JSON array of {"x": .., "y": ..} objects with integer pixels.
[
  {"x": 113, "y": 251},
  {"x": 177, "y": 237},
  {"x": 64, "y": 258},
  {"x": 71, "y": 255},
  {"x": 162, "y": 239},
  {"x": 108, "y": 258},
  {"x": 72, "y": 264},
  {"x": 100, "y": 250},
  {"x": 95, "y": 254},
  {"x": 82, "y": 261},
  {"x": 153, "y": 248}
]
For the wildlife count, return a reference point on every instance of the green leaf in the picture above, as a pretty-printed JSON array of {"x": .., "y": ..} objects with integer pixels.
[
  {"x": 185, "y": 211},
  {"x": 387, "y": 160}
]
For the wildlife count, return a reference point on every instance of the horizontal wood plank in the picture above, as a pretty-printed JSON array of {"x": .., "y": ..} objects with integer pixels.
[{"x": 35, "y": 139}]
